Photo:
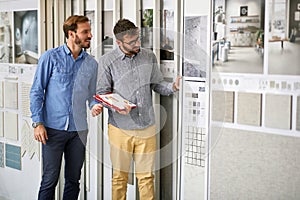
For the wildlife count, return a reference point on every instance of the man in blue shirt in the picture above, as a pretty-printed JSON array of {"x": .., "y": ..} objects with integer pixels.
[{"x": 64, "y": 81}]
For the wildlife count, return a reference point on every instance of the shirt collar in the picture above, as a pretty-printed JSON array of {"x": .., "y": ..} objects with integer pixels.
[
  {"x": 67, "y": 50},
  {"x": 122, "y": 54}
]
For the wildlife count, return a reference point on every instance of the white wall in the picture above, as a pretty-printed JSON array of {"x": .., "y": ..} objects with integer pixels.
[
  {"x": 9, "y": 5},
  {"x": 24, "y": 183},
  {"x": 194, "y": 7}
]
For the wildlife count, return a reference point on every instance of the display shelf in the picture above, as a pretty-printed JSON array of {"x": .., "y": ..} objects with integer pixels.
[
  {"x": 242, "y": 29},
  {"x": 253, "y": 20}
]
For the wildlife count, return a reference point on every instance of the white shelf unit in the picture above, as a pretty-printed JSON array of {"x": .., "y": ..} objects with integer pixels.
[{"x": 242, "y": 30}]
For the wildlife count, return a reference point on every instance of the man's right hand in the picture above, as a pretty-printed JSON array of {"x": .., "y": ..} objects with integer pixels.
[{"x": 126, "y": 111}]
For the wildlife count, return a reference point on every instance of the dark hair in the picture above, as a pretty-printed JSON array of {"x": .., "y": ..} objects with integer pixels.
[
  {"x": 71, "y": 23},
  {"x": 124, "y": 27}
]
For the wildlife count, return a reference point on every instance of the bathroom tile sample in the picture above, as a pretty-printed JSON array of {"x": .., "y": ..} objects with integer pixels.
[
  {"x": 25, "y": 91},
  {"x": 1, "y": 94},
  {"x": 11, "y": 95},
  {"x": 249, "y": 109},
  {"x": 298, "y": 114},
  {"x": 29, "y": 146},
  {"x": 1, "y": 125},
  {"x": 11, "y": 132},
  {"x": 1, "y": 154},
  {"x": 222, "y": 106},
  {"x": 278, "y": 110},
  {"x": 13, "y": 156}
]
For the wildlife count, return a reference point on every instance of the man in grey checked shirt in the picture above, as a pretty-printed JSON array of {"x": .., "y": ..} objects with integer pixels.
[{"x": 132, "y": 72}]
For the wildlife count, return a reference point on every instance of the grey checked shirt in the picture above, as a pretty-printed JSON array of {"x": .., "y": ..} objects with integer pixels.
[{"x": 133, "y": 78}]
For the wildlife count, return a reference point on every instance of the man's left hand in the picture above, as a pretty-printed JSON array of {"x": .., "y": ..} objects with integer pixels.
[
  {"x": 97, "y": 109},
  {"x": 176, "y": 84}
]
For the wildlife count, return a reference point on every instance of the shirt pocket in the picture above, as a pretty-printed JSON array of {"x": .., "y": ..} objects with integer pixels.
[
  {"x": 82, "y": 80},
  {"x": 62, "y": 76}
]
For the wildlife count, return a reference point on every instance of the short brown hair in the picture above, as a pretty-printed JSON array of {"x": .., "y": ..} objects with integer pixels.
[
  {"x": 123, "y": 27},
  {"x": 71, "y": 23}
]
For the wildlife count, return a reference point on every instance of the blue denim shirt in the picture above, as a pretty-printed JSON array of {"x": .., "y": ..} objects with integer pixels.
[
  {"x": 61, "y": 88},
  {"x": 134, "y": 78}
]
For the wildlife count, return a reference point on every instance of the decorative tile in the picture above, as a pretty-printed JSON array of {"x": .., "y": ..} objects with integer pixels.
[{"x": 13, "y": 156}]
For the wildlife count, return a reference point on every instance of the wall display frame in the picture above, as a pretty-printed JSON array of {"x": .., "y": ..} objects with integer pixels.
[
  {"x": 5, "y": 37},
  {"x": 167, "y": 35},
  {"x": 244, "y": 11},
  {"x": 195, "y": 56},
  {"x": 108, "y": 40},
  {"x": 238, "y": 37},
  {"x": 147, "y": 28},
  {"x": 283, "y": 38},
  {"x": 26, "y": 36},
  {"x": 91, "y": 15},
  {"x": 19, "y": 37}
]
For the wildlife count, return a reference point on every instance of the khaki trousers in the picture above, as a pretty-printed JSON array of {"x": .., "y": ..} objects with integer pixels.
[{"x": 139, "y": 145}]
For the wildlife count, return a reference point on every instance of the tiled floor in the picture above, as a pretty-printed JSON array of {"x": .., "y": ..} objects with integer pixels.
[
  {"x": 241, "y": 60},
  {"x": 284, "y": 61},
  {"x": 281, "y": 61}
]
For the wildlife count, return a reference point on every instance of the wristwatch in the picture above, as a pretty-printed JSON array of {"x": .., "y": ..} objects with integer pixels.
[{"x": 36, "y": 124}]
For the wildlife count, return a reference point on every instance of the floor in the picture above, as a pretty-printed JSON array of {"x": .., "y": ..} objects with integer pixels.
[
  {"x": 281, "y": 61},
  {"x": 284, "y": 61}
]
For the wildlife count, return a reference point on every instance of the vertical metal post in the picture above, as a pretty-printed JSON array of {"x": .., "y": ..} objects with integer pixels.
[
  {"x": 178, "y": 58},
  {"x": 99, "y": 124},
  {"x": 42, "y": 26},
  {"x": 177, "y": 103},
  {"x": 156, "y": 97}
]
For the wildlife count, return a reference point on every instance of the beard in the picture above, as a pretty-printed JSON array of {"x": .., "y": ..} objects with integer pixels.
[
  {"x": 133, "y": 50},
  {"x": 83, "y": 43}
]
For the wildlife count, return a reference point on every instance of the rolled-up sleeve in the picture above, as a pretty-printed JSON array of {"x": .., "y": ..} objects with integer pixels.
[{"x": 37, "y": 92}]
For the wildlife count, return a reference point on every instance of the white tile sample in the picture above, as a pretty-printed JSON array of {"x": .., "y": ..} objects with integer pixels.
[
  {"x": 11, "y": 95},
  {"x": 222, "y": 106},
  {"x": 25, "y": 99},
  {"x": 11, "y": 125},
  {"x": 1, "y": 125},
  {"x": 1, "y": 154},
  {"x": 278, "y": 110},
  {"x": 1, "y": 94},
  {"x": 298, "y": 114},
  {"x": 249, "y": 109}
]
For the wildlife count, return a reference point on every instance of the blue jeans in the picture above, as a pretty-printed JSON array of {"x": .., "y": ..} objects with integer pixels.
[{"x": 72, "y": 145}]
